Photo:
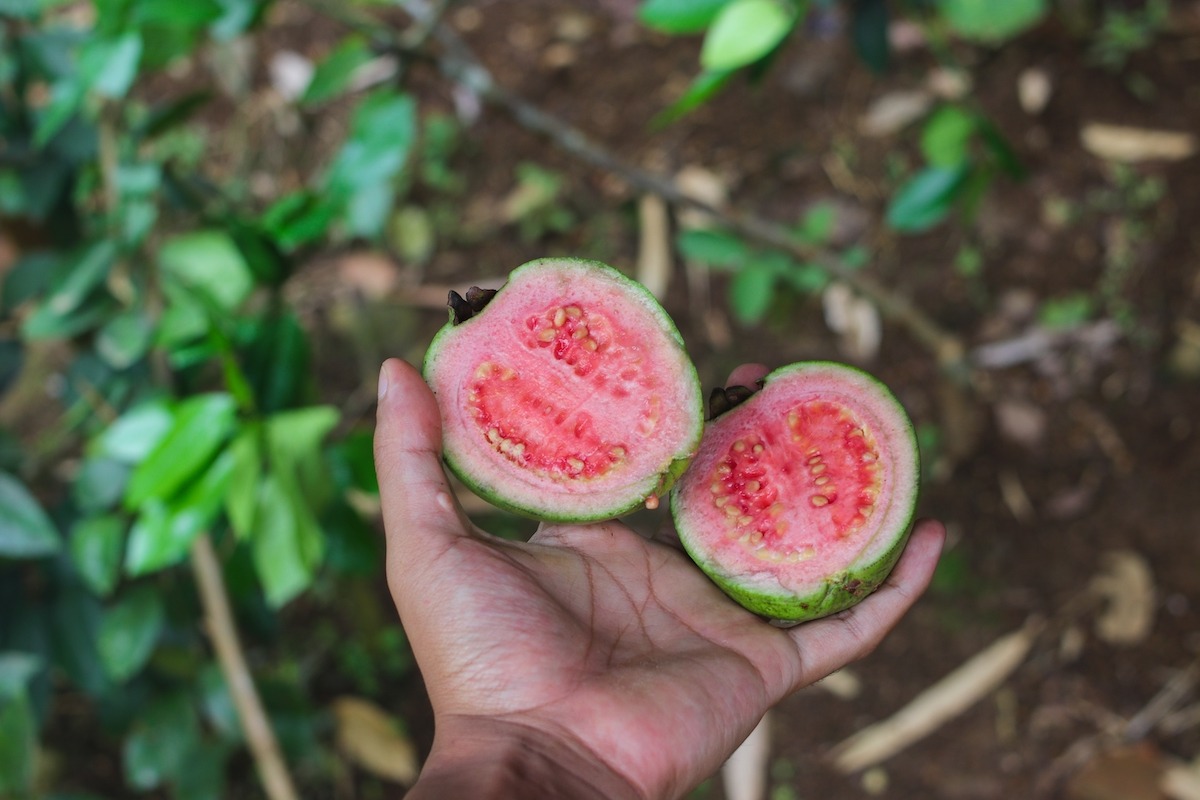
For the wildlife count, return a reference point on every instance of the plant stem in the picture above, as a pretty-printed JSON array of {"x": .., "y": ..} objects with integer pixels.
[{"x": 277, "y": 781}]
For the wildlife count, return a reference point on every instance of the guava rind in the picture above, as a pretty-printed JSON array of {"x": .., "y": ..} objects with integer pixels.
[
  {"x": 656, "y": 483},
  {"x": 845, "y": 587}
]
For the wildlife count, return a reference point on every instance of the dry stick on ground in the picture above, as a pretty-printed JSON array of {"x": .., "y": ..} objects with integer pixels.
[{"x": 277, "y": 781}]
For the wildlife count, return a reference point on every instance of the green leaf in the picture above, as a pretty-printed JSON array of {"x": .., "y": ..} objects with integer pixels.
[
  {"x": 926, "y": 199},
  {"x": 16, "y": 669},
  {"x": 335, "y": 73},
  {"x": 125, "y": 338},
  {"x": 703, "y": 87},
  {"x": 65, "y": 98},
  {"x": 209, "y": 262},
  {"x": 869, "y": 31},
  {"x": 817, "y": 225},
  {"x": 200, "y": 427},
  {"x": 25, "y": 530},
  {"x": 135, "y": 434},
  {"x": 381, "y": 136},
  {"x": 1066, "y": 312},
  {"x": 216, "y": 703},
  {"x": 751, "y": 292},
  {"x": 280, "y": 547},
  {"x": 241, "y": 501},
  {"x": 745, "y": 31},
  {"x": 164, "y": 532},
  {"x": 99, "y": 484},
  {"x": 110, "y": 66},
  {"x": 173, "y": 14},
  {"x": 712, "y": 248},
  {"x": 96, "y": 544},
  {"x": 679, "y": 16},
  {"x": 946, "y": 137},
  {"x": 130, "y": 631},
  {"x": 156, "y": 750},
  {"x": 185, "y": 319},
  {"x": 82, "y": 274},
  {"x": 992, "y": 21},
  {"x": 276, "y": 360},
  {"x": 75, "y": 619},
  {"x": 807, "y": 278}
]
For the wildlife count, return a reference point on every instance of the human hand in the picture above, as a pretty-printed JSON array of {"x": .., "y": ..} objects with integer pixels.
[{"x": 589, "y": 661}]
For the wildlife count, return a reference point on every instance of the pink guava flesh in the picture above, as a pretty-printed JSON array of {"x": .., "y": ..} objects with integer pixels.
[
  {"x": 569, "y": 396},
  {"x": 800, "y": 499}
]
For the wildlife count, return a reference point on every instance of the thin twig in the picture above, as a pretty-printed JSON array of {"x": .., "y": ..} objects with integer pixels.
[{"x": 277, "y": 781}]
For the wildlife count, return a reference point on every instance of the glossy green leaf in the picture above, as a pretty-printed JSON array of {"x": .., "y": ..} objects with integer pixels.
[
  {"x": 282, "y": 546},
  {"x": 184, "y": 320},
  {"x": 48, "y": 323},
  {"x": 164, "y": 532},
  {"x": 751, "y": 292},
  {"x": 201, "y": 773},
  {"x": 680, "y": 16},
  {"x": 241, "y": 499},
  {"x": 110, "y": 66},
  {"x": 174, "y": 14},
  {"x": 926, "y": 199},
  {"x": 382, "y": 133},
  {"x": 992, "y": 21},
  {"x": 25, "y": 530},
  {"x": 96, "y": 545},
  {"x": 946, "y": 136},
  {"x": 335, "y": 73},
  {"x": 160, "y": 742},
  {"x": 200, "y": 427},
  {"x": 712, "y": 248},
  {"x": 135, "y": 434},
  {"x": 130, "y": 631},
  {"x": 209, "y": 262},
  {"x": 745, "y": 31}
]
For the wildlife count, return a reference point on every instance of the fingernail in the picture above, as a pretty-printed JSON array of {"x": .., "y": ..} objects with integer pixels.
[{"x": 383, "y": 380}]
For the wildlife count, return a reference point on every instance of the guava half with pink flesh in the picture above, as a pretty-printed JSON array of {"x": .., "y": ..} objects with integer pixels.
[
  {"x": 801, "y": 498},
  {"x": 567, "y": 395}
]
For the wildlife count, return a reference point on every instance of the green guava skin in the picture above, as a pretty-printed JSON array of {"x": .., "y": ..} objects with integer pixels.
[
  {"x": 653, "y": 486},
  {"x": 842, "y": 589}
]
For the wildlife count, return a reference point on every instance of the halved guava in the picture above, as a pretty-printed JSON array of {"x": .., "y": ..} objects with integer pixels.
[
  {"x": 567, "y": 395},
  {"x": 802, "y": 497}
]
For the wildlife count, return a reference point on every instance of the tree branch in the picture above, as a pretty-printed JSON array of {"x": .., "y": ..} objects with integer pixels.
[{"x": 277, "y": 781}]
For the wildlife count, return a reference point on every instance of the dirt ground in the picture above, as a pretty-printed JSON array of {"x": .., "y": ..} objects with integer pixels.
[{"x": 1065, "y": 458}]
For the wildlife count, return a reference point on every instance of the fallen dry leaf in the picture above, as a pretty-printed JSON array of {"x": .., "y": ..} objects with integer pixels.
[
  {"x": 1182, "y": 781},
  {"x": 938, "y": 704},
  {"x": 372, "y": 273},
  {"x": 1034, "y": 89},
  {"x": 854, "y": 319},
  {"x": 704, "y": 185},
  {"x": 1131, "y": 145},
  {"x": 654, "y": 245},
  {"x": 894, "y": 111},
  {"x": 1127, "y": 585},
  {"x": 1021, "y": 421},
  {"x": 371, "y": 738},
  {"x": 1124, "y": 773}
]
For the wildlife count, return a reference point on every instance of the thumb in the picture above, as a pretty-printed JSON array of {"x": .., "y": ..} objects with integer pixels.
[{"x": 417, "y": 502}]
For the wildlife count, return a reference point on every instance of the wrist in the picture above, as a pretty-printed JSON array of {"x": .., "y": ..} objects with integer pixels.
[{"x": 482, "y": 758}]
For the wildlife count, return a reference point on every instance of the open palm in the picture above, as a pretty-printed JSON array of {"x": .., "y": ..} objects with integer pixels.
[{"x": 616, "y": 647}]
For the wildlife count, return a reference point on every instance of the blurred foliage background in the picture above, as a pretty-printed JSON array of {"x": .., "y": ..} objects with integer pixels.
[{"x": 218, "y": 216}]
